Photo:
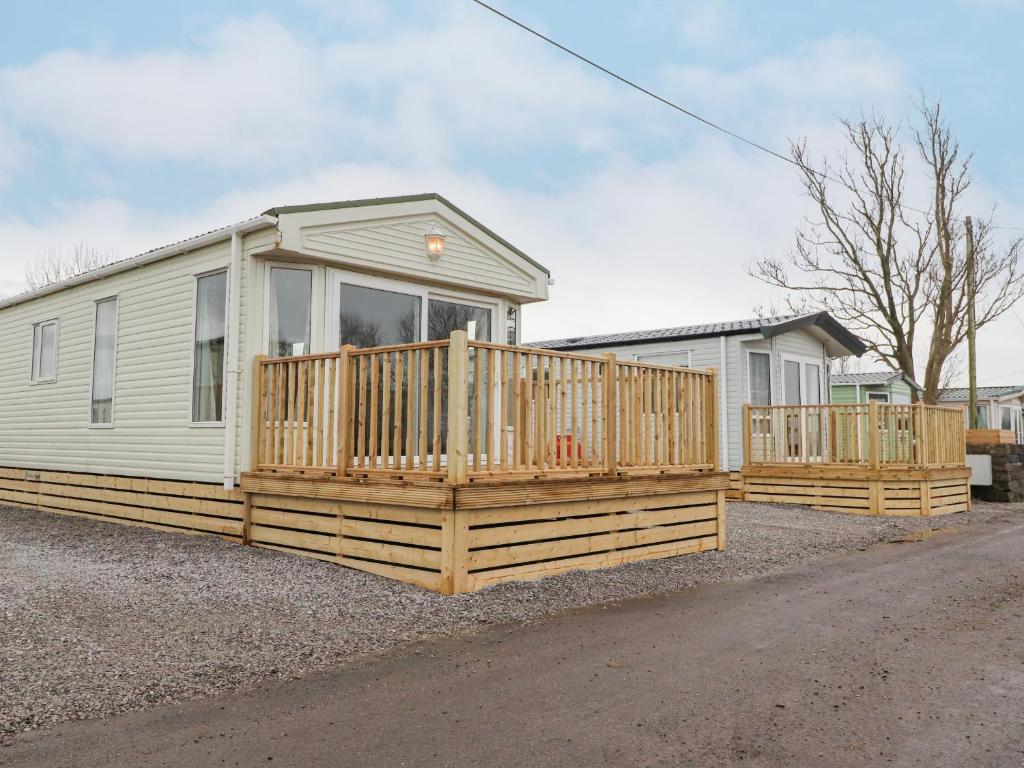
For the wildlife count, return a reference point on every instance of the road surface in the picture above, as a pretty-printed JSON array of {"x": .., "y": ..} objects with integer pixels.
[{"x": 904, "y": 654}]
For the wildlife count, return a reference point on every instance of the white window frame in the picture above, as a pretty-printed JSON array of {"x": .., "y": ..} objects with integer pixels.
[
  {"x": 56, "y": 345},
  {"x": 645, "y": 357},
  {"x": 92, "y": 361},
  {"x": 771, "y": 392},
  {"x": 315, "y": 302},
  {"x": 878, "y": 397},
  {"x": 802, "y": 361},
  {"x": 192, "y": 354}
]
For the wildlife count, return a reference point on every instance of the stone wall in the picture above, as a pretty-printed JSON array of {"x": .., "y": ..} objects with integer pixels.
[{"x": 1007, "y": 473}]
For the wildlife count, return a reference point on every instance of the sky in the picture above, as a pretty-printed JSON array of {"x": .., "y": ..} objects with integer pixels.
[{"x": 127, "y": 126}]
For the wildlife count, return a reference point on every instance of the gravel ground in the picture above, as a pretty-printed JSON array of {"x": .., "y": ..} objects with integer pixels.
[{"x": 100, "y": 618}]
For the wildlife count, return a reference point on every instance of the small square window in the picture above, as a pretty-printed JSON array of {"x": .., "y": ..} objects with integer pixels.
[{"x": 44, "y": 351}]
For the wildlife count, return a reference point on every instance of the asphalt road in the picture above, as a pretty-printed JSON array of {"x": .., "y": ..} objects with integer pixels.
[{"x": 904, "y": 654}]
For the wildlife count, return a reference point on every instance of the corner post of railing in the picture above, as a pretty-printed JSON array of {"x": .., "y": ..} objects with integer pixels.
[
  {"x": 344, "y": 413},
  {"x": 922, "y": 433},
  {"x": 874, "y": 435},
  {"x": 609, "y": 406},
  {"x": 748, "y": 455},
  {"x": 712, "y": 421},
  {"x": 458, "y": 407},
  {"x": 257, "y": 425}
]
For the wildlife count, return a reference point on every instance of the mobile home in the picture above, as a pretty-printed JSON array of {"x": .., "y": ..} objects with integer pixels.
[
  {"x": 761, "y": 361},
  {"x": 343, "y": 381},
  {"x": 874, "y": 386}
]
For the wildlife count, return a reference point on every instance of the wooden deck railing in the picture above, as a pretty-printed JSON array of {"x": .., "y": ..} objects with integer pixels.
[
  {"x": 872, "y": 434},
  {"x": 461, "y": 410}
]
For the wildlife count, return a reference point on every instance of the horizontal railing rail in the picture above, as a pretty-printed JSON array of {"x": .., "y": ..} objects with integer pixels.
[
  {"x": 871, "y": 434},
  {"x": 461, "y": 410}
]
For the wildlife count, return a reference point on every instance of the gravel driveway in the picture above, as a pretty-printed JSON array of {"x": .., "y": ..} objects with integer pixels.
[{"x": 100, "y": 618}]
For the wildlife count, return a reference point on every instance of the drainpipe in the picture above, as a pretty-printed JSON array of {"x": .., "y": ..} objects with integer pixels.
[
  {"x": 723, "y": 413},
  {"x": 231, "y": 354}
]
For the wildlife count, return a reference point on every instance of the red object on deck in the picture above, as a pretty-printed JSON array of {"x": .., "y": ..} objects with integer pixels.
[{"x": 568, "y": 447}]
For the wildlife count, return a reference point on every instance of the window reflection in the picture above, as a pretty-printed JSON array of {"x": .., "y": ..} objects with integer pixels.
[
  {"x": 443, "y": 317},
  {"x": 290, "y": 298},
  {"x": 371, "y": 317}
]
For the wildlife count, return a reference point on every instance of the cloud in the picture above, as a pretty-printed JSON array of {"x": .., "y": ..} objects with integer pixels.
[
  {"x": 800, "y": 93},
  {"x": 253, "y": 91},
  {"x": 636, "y": 238},
  {"x": 251, "y": 85},
  {"x": 707, "y": 22},
  {"x": 15, "y": 154}
]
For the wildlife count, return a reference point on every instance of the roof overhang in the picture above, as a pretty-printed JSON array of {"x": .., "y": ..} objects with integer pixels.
[
  {"x": 398, "y": 200},
  {"x": 476, "y": 258},
  {"x": 838, "y": 340},
  {"x": 158, "y": 254}
]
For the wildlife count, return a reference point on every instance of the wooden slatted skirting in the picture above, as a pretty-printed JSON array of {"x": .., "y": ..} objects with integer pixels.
[
  {"x": 454, "y": 539},
  {"x": 861, "y": 490},
  {"x": 164, "y": 504},
  {"x": 735, "y": 492}
]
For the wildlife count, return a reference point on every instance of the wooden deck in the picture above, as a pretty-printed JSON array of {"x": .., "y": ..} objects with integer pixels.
[
  {"x": 873, "y": 459},
  {"x": 458, "y": 538},
  {"x": 456, "y": 464}
]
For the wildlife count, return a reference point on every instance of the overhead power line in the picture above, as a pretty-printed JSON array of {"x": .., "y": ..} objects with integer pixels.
[{"x": 671, "y": 104}]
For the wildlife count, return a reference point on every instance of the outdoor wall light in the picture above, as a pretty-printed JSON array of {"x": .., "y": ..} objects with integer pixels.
[{"x": 435, "y": 243}]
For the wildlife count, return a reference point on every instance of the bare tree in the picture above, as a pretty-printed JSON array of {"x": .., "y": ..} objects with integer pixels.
[
  {"x": 891, "y": 273},
  {"x": 54, "y": 264}
]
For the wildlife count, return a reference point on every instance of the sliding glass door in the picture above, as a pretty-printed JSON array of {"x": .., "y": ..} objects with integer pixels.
[{"x": 367, "y": 311}]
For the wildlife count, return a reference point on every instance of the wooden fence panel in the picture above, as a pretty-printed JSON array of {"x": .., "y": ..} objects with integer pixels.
[
  {"x": 872, "y": 434},
  {"x": 383, "y": 411}
]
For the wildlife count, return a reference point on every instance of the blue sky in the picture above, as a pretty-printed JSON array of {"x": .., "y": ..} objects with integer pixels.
[{"x": 127, "y": 125}]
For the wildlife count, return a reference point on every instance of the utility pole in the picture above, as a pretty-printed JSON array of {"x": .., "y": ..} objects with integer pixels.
[{"x": 972, "y": 361}]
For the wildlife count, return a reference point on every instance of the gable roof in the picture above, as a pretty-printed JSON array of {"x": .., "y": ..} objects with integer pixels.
[
  {"x": 766, "y": 326},
  {"x": 986, "y": 393},
  {"x": 330, "y": 206},
  {"x": 874, "y": 377},
  {"x": 266, "y": 219}
]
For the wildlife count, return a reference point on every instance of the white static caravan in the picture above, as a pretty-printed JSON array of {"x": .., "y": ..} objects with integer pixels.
[
  {"x": 1000, "y": 407},
  {"x": 135, "y": 378},
  {"x": 341, "y": 381},
  {"x": 767, "y": 361}
]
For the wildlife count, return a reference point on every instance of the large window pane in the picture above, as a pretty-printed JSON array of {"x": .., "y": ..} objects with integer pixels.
[
  {"x": 208, "y": 361},
  {"x": 791, "y": 379},
  {"x": 103, "y": 362},
  {"x": 760, "y": 378},
  {"x": 371, "y": 317},
  {"x": 812, "y": 388},
  {"x": 44, "y": 351},
  {"x": 443, "y": 317},
  {"x": 290, "y": 298}
]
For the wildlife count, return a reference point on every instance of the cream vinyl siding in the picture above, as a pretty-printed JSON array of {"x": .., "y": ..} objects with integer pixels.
[{"x": 46, "y": 426}]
